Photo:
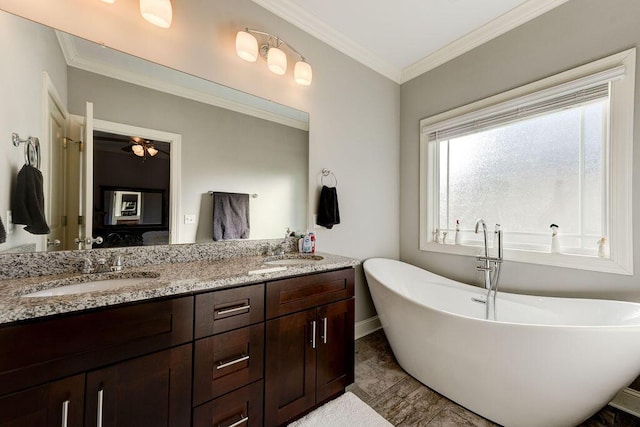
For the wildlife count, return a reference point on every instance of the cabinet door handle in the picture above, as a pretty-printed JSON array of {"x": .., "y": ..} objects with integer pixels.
[
  {"x": 237, "y": 423},
  {"x": 233, "y": 310},
  {"x": 242, "y": 358},
  {"x": 313, "y": 334},
  {"x": 65, "y": 413},
  {"x": 99, "y": 412},
  {"x": 324, "y": 330}
]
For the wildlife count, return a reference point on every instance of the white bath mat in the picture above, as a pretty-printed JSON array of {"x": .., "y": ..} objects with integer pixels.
[{"x": 345, "y": 411}]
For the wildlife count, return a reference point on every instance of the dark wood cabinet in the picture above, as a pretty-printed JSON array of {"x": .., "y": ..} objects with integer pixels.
[
  {"x": 201, "y": 360},
  {"x": 54, "y": 404},
  {"x": 309, "y": 354},
  {"x": 153, "y": 390}
]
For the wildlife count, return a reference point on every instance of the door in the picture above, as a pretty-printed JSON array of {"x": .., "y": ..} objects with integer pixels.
[
  {"x": 290, "y": 368},
  {"x": 153, "y": 390},
  {"x": 335, "y": 348},
  {"x": 58, "y": 403},
  {"x": 86, "y": 195},
  {"x": 56, "y": 200}
]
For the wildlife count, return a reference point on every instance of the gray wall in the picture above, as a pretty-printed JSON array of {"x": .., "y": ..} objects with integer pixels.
[
  {"x": 575, "y": 33},
  {"x": 24, "y": 58},
  {"x": 354, "y": 111},
  {"x": 222, "y": 150}
]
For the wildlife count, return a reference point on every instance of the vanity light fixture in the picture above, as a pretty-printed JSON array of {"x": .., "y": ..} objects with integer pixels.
[
  {"x": 270, "y": 49},
  {"x": 158, "y": 12}
]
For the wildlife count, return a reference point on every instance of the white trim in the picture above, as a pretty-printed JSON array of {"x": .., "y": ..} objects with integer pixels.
[
  {"x": 367, "y": 326},
  {"x": 620, "y": 170},
  {"x": 74, "y": 59},
  {"x": 628, "y": 400},
  {"x": 174, "y": 166},
  {"x": 291, "y": 12},
  {"x": 501, "y": 25}
]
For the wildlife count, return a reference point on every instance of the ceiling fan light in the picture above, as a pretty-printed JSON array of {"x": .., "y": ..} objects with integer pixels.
[
  {"x": 152, "y": 150},
  {"x": 277, "y": 61},
  {"x": 138, "y": 150},
  {"x": 158, "y": 12},
  {"x": 302, "y": 73},
  {"x": 246, "y": 46}
]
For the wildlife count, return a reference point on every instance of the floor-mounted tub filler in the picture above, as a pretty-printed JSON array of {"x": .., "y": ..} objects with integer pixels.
[{"x": 543, "y": 362}]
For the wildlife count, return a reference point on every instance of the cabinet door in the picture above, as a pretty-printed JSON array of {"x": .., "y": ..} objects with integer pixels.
[
  {"x": 290, "y": 367},
  {"x": 153, "y": 390},
  {"x": 58, "y": 403},
  {"x": 335, "y": 352}
]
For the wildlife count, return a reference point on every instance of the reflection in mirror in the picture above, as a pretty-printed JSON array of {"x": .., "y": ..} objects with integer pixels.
[{"x": 230, "y": 142}]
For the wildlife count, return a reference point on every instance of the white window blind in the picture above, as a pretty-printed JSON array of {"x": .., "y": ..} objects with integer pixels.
[{"x": 578, "y": 92}]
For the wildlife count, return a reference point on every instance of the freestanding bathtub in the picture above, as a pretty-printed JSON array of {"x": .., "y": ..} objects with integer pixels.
[{"x": 543, "y": 362}]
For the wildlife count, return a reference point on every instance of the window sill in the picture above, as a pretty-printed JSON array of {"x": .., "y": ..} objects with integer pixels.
[{"x": 580, "y": 262}]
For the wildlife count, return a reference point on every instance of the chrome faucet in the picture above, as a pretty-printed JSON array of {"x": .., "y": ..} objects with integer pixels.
[
  {"x": 491, "y": 266},
  {"x": 101, "y": 264}
]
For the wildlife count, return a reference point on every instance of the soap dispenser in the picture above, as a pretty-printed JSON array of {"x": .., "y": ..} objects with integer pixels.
[
  {"x": 555, "y": 239},
  {"x": 458, "y": 238}
]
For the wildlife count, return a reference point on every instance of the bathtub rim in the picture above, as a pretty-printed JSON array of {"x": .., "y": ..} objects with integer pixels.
[{"x": 497, "y": 322}]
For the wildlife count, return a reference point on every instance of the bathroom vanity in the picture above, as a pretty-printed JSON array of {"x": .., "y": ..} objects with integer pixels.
[{"x": 203, "y": 348}]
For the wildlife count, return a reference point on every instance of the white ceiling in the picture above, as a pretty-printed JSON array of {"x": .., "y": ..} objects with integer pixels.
[{"x": 402, "y": 39}]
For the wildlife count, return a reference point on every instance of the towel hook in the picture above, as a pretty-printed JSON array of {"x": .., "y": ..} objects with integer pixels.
[
  {"x": 31, "y": 149},
  {"x": 325, "y": 173}
]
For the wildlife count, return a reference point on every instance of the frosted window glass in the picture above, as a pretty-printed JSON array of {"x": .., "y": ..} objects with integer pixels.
[{"x": 528, "y": 175}]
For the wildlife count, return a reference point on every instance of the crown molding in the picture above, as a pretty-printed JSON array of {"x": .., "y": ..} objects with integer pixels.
[
  {"x": 294, "y": 14},
  {"x": 74, "y": 59},
  {"x": 501, "y": 25}
]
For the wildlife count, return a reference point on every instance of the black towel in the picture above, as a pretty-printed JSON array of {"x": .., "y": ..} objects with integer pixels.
[
  {"x": 230, "y": 216},
  {"x": 328, "y": 212},
  {"x": 27, "y": 202},
  {"x": 3, "y": 232}
]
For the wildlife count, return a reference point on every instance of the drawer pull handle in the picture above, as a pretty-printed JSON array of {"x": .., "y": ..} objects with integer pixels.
[
  {"x": 65, "y": 413},
  {"x": 237, "y": 423},
  {"x": 242, "y": 358},
  {"x": 99, "y": 412},
  {"x": 324, "y": 330},
  {"x": 313, "y": 334},
  {"x": 233, "y": 310}
]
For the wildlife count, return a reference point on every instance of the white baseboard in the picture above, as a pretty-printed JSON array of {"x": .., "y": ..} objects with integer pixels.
[
  {"x": 628, "y": 400},
  {"x": 367, "y": 326}
]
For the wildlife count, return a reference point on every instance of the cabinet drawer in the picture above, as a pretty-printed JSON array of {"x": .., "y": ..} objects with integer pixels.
[
  {"x": 300, "y": 293},
  {"x": 222, "y": 311},
  {"x": 48, "y": 349},
  {"x": 227, "y": 361},
  {"x": 242, "y": 407}
]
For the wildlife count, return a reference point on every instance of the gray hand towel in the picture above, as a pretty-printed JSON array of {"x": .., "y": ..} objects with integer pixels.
[
  {"x": 230, "y": 216},
  {"x": 27, "y": 202}
]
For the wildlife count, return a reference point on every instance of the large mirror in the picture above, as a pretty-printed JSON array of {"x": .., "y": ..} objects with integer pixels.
[{"x": 131, "y": 152}]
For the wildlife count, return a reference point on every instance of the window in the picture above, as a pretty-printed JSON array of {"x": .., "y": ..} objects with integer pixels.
[{"x": 557, "y": 151}]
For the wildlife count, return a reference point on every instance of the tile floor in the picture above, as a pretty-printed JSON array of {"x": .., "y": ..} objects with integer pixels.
[{"x": 403, "y": 401}]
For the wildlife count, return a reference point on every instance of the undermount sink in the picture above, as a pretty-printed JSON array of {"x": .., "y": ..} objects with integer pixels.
[
  {"x": 106, "y": 284},
  {"x": 294, "y": 259}
]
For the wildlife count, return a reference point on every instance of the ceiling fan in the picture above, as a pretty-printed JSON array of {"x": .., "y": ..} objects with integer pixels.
[{"x": 134, "y": 144}]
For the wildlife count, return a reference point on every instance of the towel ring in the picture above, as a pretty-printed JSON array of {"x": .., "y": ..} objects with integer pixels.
[
  {"x": 31, "y": 149},
  {"x": 325, "y": 173}
]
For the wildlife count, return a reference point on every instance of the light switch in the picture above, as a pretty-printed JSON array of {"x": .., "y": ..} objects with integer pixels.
[{"x": 190, "y": 219}]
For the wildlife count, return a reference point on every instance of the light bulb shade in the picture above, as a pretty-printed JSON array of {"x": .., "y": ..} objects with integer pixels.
[
  {"x": 152, "y": 150},
  {"x": 247, "y": 46},
  {"x": 138, "y": 150},
  {"x": 302, "y": 73},
  {"x": 158, "y": 12},
  {"x": 277, "y": 61}
]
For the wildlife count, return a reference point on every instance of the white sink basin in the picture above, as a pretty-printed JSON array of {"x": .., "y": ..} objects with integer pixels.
[
  {"x": 293, "y": 259},
  {"x": 92, "y": 286}
]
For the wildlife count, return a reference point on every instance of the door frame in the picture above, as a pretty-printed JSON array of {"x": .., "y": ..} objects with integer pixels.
[{"x": 175, "y": 140}]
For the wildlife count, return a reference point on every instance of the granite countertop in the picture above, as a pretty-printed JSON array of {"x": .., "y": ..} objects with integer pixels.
[{"x": 160, "y": 280}]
